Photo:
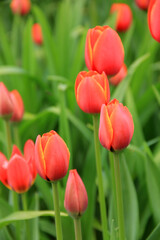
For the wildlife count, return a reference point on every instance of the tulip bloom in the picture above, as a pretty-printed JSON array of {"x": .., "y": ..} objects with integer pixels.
[
  {"x": 37, "y": 34},
  {"x": 20, "y": 6},
  {"x": 115, "y": 80},
  {"x": 52, "y": 156},
  {"x": 76, "y": 199},
  {"x": 142, "y": 4},
  {"x": 18, "y": 107},
  {"x": 92, "y": 90},
  {"x": 19, "y": 172},
  {"x": 6, "y": 106},
  {"x": 124, "y": 16},
  {"x": 154, "y": 19},
  {"x": 116, "y": 126},
  {"x": 104, "y": 50}
]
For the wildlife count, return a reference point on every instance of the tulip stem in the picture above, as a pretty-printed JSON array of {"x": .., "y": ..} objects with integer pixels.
[
  {"x": 25, "y": 208},
  {"x": 119, "y": 197},
  {"x": 77, "y": 227},
  {"x": 57, "y": 211},
  {"x": 100, "y": 180},
  {"x": 16, "y": 135},
  {"x": 8, "y": 138}
]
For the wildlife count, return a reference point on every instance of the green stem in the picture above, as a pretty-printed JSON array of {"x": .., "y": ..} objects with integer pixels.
[
  {"x": 25, "y": 208},
  {"x": 8, "y": 138},
  {"x": 100, "y": 180},
  {"x": 119, "y": 197},
  {"x": 57, "y": 211},
  {"x": 16, "y": 135},
  {"x": 77, "y": 227}
]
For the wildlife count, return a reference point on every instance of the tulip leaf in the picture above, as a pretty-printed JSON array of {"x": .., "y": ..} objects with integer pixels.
[
  {"x": 131, "y": 210},
  {"x": 120, "y": 91},
  {"x": 26, "y": 215},
  {"x": 155, "y": 233}
]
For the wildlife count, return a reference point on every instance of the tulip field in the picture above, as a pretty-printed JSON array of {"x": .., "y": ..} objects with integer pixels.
[{"x": 80, "y": 120}]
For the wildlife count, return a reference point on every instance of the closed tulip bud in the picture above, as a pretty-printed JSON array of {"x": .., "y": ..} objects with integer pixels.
[
  {"x": 154, "y": 19},
  {"x": 116, "y": 126},
  {"x": 104, "y": 51},
  {"x": 142, "y": 4},
  {"x": 37, "y": 34},
  {"x": 76, "y": 199},
  {"x": 18, "y": 107},
  {"x": 20, "y": 6},
  {"x": 92, "y": 90},
  {"x": 6, "y": 106},
  {"x": 123, "y": 16},
  {"x": 19, "y": 172},
  {"x": 52, "y": 156},
  {"x": 115, "y": 80}
]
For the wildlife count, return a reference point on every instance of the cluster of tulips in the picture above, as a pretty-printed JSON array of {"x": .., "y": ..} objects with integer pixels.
[{"x": 49, "y": 155}]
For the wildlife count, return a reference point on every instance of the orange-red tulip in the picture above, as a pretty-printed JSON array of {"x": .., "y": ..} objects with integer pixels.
[
  {"x": 116, "y": 126},
  {"x": 18, "y": 107},
  {"x": 76, "y": 199},
  {"x": 20, "y": 6},
  {"x": 104, "y": 51},
  {"x": 123, "y": 16},
  {"x": 92, "y": 90},
  {"x": 6, "y": 106},
  {"x": 19, "y": 172},
  {"x": 142, "y": 4},
  {"x": 52, "y": 156},
  {"x": 37, "y": 34},
  {"x": 115, "y": 80},
  {"x": 154, "y": 19}
]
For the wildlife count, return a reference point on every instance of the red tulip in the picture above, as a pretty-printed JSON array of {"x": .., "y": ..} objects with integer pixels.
[
  {"x": 92, "y": 90},
  {"x": 20, "y": 6},
  {"x": 143, "y": 4},
  {"x": 37, "y": 34},
  {"x": 123, "y": 17},
  {"x": 52, "y": 156},
  {"x": 76, "y": 199},
  {"x": 6, "y": 107},
  {"x": 104, "y": 50},
  {"x": 18, "y": 107},
  {"x": 19, "y": 173},
  {"x": 115, "y": 80},
  {"x": 154, "y": 19},
  {"x": 116, "y": 126}
]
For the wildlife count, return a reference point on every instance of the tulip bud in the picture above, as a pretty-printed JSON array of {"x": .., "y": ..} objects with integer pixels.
[
  {"x": 123, "y": 16},
  {"x": 104, "y": 50},
  {"x": 18, "y": 107},
  {"x": 154, "y": 19},
  {"x": 92, "y": 90},
  {"x": 6, "y": 106},
  {"x": 37, "y": 34},
  {"x": 20, "y": 6},
  {"x": 115, "y": 80},
  {"x": 19, "y": 173},
  {"x": 76, "y": 199},
  {"x": 142, "y": 4},
  {"x": 116, "y": 126},
  {"x": 52, "y": 156}
]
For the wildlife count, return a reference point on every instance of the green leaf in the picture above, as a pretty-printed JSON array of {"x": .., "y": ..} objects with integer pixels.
[
  {"x": 131, "y": 210},
  {"x": 155, "y": 233},
  {"x": 26, "y": 215},
  {"x": 120, "y": 91}
]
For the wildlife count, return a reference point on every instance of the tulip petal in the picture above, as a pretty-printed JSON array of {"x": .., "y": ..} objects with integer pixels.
[
  {"x": 16, "y": 150},
  {"x": 105, "y": 128},
  {"x": 56, "y": 156},
  {"x": 39, "y": 158},
  {"x": 3, "y": 170},
  {"x": 19, "y": 176},
  {"x": 18, "y": 107},
  {"x": 88, "y": 51},
  {"x": 123, "y": 127},
  {"x": 90, "y": 95},
  {"x": 154, "y": 19},
  {"x": 108, "y": 53}
]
